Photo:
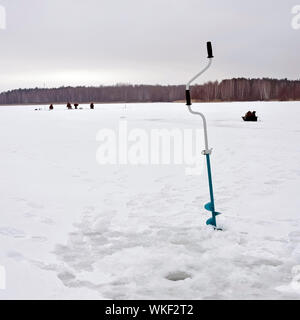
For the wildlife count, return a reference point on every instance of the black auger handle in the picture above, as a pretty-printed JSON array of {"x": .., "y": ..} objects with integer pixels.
[
  {"x": 209, "y": 50},
  {"x": 188, "y": 98}
]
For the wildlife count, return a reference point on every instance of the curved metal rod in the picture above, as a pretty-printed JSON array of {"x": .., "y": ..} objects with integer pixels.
[
  {"x": 199, "y": 74},
  {"x": 207, "y": 150}
]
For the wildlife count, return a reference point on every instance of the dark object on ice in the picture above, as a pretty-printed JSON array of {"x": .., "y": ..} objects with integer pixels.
[
  {"x": 51, "y": 107},
  {"x": 178, "y": 276},
  {"x": 250, "y": 116},
  {"x": 76, "y": 105},
  {"x": 69, "y": 106},
  {"x": 92, "y": 106}
]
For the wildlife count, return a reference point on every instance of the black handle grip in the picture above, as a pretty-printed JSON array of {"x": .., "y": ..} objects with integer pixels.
[
  {"x": 209, "y": 50},
  {"x": 188, "y": 97}
]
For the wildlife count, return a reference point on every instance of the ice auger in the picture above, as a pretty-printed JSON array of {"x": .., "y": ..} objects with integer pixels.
[{"x": 210, "y": 206}]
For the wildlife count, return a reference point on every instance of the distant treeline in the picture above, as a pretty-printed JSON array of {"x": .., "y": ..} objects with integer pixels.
[{"x": 227, "y": 90}]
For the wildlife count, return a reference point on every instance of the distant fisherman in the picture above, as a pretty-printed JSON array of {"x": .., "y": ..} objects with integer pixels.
[
  {"x": 51, "y": 107},
  {"x": 69, "y": 106},
  {"x": 92, "y": 106},
  {"x": 250, "y": 116},
  {"x": 76, "y": 105}
]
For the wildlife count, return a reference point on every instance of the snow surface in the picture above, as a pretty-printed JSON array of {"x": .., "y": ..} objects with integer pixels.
[{"x": 70, "y": 228}]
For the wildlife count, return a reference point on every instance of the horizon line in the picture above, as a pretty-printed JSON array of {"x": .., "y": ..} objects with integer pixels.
[{"x": 124, "y": 84}]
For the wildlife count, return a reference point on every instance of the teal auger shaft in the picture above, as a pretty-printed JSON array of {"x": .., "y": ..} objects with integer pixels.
[
  {"x": 211, "y": 221},
  {"x": 211, "y": 205}
]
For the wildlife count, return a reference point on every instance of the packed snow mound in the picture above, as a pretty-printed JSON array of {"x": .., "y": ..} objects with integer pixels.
[{"x": 71, "y": 228}]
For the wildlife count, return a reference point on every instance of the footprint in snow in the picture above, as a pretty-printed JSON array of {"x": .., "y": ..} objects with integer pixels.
[
  {"x": 15, "y": 255},
  {"x": 12, "y": 232},
  {"x": 39, "y": 238},
  {"x": 35, "y": 205},
  {"x": 48, "y": 221}
]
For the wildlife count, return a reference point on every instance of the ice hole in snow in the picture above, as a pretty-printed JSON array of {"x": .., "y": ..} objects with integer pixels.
[{"x": 178, "y": 276}]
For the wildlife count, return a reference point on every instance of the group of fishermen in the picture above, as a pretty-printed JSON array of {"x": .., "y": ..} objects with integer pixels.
[
  {"x": 249, "y": 116},
  {"x": 69, "y": 106}
]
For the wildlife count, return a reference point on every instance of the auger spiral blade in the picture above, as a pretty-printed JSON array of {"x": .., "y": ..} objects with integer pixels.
[{"x": 212, "y": 221}]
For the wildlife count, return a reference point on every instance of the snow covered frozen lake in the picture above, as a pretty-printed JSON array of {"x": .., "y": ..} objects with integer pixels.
[{"x": 73, "y": 229}]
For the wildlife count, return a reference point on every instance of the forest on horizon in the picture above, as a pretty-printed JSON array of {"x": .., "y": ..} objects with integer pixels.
[{"x": 237, "y": 89}]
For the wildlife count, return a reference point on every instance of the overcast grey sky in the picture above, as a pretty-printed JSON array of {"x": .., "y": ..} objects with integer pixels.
[{"x": 93, "y": 42}]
